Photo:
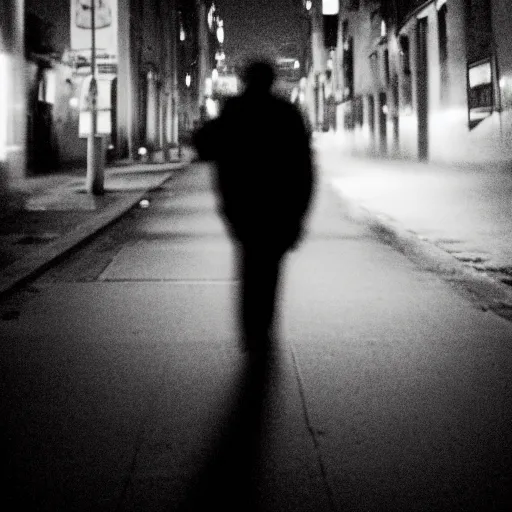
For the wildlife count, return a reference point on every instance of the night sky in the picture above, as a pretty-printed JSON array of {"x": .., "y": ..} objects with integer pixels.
[{"x": 260, "y": 26}]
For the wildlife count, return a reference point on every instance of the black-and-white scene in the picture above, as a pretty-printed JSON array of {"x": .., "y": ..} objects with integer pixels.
[{"x": 256, "y": 255}]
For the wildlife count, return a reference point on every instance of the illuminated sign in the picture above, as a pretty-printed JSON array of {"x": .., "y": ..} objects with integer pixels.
[
  {"x": 106, "y": 28},
  {"x": 480, "y": 92},
  {"x": 104, "y": 107},
  {"x": 226, "y": 85},
  {"x": 480, "y": 74},
  {"x": 330, "y": 7}
]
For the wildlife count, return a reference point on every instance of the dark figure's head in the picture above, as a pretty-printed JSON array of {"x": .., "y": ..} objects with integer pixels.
[{"x": 258, "y": 76}]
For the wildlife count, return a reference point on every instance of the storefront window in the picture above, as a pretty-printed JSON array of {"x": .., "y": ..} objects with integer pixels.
[
  {"x": 47, "y": 87},
  {"x": 481, "y": 92}
]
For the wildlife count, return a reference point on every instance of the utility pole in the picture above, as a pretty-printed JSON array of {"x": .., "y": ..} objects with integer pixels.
[{"x": 94, "y": 143}]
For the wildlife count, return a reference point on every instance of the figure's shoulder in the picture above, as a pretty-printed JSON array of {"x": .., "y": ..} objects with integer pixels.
[
  {"x": 290, "y": 112},
  {"x": 285, "y": 106},
  {"x": 231, "y": 104}
]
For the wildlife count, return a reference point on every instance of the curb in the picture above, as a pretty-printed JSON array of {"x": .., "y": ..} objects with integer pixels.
[
  {"x": 33, "y": 264},
  {"x": 486, "y": 291}
]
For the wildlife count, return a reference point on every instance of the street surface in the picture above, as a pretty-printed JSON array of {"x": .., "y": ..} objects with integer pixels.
[
  {"x": 124, "y": 383},
  {"x": 463, "y": 210}
]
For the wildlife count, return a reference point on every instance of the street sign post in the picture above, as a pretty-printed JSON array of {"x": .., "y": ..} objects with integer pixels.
[{"x": 95, "y": 161}]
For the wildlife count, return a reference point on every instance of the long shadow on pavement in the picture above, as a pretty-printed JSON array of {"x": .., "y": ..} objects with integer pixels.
[{"x": 228, "y": 481}]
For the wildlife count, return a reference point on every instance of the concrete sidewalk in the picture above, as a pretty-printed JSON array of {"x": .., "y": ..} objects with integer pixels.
[
  {"x": 456, "y": 220},
  {"x": 49, "y": 215},
  {"x": 128, "y": 391}
]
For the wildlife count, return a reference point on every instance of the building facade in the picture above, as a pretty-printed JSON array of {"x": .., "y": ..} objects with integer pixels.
[
  {"x": 427, "y": 79},
  {"x": 45, "y": 61},
  {"x": 318, "y": 89},
  {"x": 12, "y": 92}
]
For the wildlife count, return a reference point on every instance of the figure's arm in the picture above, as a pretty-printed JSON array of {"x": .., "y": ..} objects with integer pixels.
[{"x": 205, "y": 140}]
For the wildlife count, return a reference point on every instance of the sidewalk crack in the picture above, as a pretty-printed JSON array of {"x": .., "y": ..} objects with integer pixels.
[{"x": 313, "y": 433}]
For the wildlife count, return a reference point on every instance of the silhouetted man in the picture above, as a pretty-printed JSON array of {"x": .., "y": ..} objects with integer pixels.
[{"x": 264, "y": 180}]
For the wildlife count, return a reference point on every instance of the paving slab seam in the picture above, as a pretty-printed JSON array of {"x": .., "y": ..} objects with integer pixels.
[
  {"x": 490, "y": 294},
  {"x": 139, "y": 440},
  {"x": 168, "y": 280},
  {"x": 309, "y": 425},
  {"x": 34, "y": 263}
]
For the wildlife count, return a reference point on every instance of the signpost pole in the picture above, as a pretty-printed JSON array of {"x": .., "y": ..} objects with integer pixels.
[{"x": 94, "y": 142}]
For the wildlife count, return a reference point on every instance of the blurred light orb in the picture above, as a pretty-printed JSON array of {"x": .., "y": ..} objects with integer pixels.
[
  {"x": 220, "y": 34},
  {"x": 142, "y": 151},
  {"x": 73, "y": 102},
  {"x": 211, "y": 108},
  {"x": 144, "y": 203}
]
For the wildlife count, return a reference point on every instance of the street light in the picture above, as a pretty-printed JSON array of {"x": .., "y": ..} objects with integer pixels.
[
  {"x": 330, "y": 7},
  {"x": 220, "y": 33}
]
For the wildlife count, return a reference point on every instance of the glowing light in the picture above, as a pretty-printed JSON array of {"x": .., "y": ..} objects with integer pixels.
[
  {"x": 208, "y": 86},
  {"x": 188, "y": 80},
  {"x": 383, "y": 28},
  {"x": 211, "y": 13},
  {"x": 144, "y": 203},
  {"x": 296, "y": 65},
  {"x": 4, "y": 75},
  {"x": 215, "y": 75},
  {"x": 142, "y": 151},
  {"x": 111, "y": 146},
  {"x": 308, "y": 5},
  {"x": 73, "y": 102},
  {"x": 211, "y": 107},
  {"x": 220, "y": 34},
  {"x": 385, "y": 109},
  {"x": 480, "y": 74},
  {"x": 330, "y": 7},
  {"x": 182, "y": 33},
  {"x": 47, "y": 86},
  {"x": 503, "y": 82}
]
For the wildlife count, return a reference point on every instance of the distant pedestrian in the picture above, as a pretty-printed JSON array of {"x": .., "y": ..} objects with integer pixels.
[{"x": 264, "y": 178}]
